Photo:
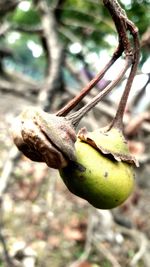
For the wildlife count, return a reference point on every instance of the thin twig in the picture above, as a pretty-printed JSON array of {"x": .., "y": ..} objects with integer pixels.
[
  {"x": 107, "y": 254},
  {"x": 110, "y": 111},
  {"x": 78, "y": 115},
  {"x": 137, "y": 98},
  {"x": 142, "y": 241},
  {"x": 68, "y": 107},
  {"x": 143, "y": 247},
  {"x": 12, "y": 157},
  {"x": 88, "y": 242},
  {"x": 8, "y": 259},
  {"x": 4, "y": 28},
  {"x": 51, "y": 192},
  {"x": 135, "y": 124}
]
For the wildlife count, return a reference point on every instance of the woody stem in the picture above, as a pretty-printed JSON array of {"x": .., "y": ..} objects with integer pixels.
[
  {"x": 78, "y": 115},
  {"x": 71, "y": 104}
]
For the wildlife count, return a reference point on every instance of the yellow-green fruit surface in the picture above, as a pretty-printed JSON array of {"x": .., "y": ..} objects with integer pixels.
[{"x": 102, "y": 181}]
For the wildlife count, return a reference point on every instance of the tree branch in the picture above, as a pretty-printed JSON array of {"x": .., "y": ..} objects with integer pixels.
[
  {"x": 8, "y": 6},
  {"x": 53, "y": 78},
  {"x": 132, "y": 57},
  {"x": 118, "y": 14}
]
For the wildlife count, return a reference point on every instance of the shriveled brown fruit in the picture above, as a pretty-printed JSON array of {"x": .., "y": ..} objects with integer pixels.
[{"x": 44, "y": 137}]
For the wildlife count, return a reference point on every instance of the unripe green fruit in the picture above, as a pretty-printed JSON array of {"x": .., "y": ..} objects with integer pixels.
[{"x": 100, "y": 179}]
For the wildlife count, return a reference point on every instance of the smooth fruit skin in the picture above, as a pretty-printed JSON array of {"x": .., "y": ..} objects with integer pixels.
[{"x": 102, "y": 181}]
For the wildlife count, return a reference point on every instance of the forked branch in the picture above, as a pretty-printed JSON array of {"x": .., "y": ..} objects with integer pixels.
[
  {"x": 131, "y": 51},
  {"x": 71, "y": 104}
]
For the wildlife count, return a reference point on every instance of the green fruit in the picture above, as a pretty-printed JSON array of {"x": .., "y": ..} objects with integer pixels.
[{"x": 100, "y": 176}]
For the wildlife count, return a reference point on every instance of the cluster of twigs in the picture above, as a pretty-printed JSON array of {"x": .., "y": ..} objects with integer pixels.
[{"x": 123, "y": 24}]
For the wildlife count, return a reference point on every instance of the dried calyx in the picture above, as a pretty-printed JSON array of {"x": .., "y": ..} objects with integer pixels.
[{"x": 111, "y": 143}]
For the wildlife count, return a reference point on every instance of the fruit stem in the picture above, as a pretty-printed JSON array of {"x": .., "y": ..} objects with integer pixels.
[
  {"x": 72, "y": 103},
  {"x": 78, "y": 115},
  {"x": 118, "y": 119}
]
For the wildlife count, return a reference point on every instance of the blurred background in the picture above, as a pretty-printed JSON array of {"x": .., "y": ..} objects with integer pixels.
[{"x": 49, "y": 50}]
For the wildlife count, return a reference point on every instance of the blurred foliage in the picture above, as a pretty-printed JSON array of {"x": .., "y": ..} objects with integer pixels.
[
  {"x": 86, "y": 22},
  {"x": 30, "y": 17}
]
